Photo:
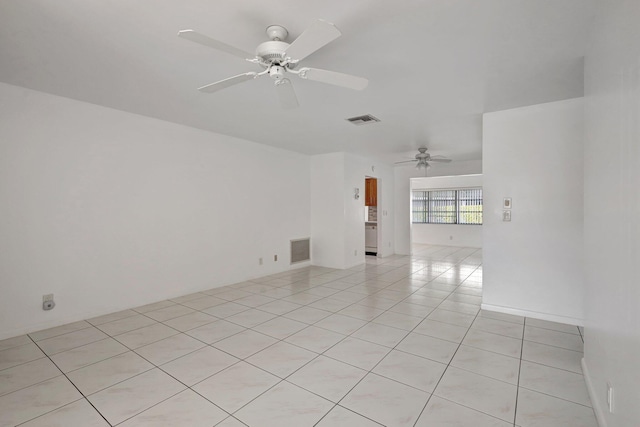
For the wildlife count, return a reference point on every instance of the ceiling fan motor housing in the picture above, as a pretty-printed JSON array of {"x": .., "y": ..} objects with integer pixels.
[{"x": 272, "y": 51}]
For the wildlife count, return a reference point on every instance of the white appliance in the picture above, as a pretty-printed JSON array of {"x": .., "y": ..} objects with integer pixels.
[{"x": 371, "y": 238}]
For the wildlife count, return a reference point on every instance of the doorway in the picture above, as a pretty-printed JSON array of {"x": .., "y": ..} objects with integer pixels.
[{"x": 372, "y": 218}]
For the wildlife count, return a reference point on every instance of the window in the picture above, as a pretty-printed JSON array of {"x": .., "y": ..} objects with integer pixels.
[
  {"x": 442, "y": 207},
  {"x": 463, "y": 206},
  {"x": 470, "y": 206}
]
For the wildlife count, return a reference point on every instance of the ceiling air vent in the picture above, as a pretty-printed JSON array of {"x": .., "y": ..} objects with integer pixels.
[{"x": 363, "y": 120}]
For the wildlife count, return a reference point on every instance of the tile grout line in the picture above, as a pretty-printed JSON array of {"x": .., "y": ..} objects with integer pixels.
[
  {"x": 445, "y": 371},
  {"x": 70, "y": 382},
  {"x": 515, "y": 409}
]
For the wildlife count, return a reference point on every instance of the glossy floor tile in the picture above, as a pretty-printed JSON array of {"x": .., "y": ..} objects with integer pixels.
[
  {"x": 128, "y": 398},
  {"x": 285, "y": 404},
  {"x": 374, "y": 397},
  {"x": 328, "y": 378},
  {"x": 399, "y": 341}
]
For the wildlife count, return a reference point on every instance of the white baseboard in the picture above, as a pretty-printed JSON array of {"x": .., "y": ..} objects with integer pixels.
[
  {"x": 84, "y": 315},
  {"x": 47, "y": 324},
  {"x": 534, "y": 314},
  {"x": 595, "y": 403}
]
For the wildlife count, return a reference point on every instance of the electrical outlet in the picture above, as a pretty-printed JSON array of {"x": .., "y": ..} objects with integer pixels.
[
  {"x": 275, "y": 258},
  {"x": 610, "y": 397},
  {"x": 47, "y": 302},
  {"x": 259, "y": 261}
]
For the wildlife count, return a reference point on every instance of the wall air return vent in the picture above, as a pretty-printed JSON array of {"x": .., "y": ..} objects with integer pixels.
[
  {"x": 300, "y": 250},
  {"x": 363, "y": 120}
]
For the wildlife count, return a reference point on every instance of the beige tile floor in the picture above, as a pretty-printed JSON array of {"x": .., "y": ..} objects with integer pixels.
[{"x": 400, "y": 341}]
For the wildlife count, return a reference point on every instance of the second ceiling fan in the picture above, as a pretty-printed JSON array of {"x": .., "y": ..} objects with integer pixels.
[
  {"x": 423, "y": 158},
  {"x": 280, "y": 59}
]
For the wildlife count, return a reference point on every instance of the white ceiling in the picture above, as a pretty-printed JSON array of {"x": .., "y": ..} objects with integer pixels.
[{"x": 434, "y": 65}]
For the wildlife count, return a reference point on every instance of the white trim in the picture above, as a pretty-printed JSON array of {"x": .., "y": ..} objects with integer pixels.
[
  {"x": 48, "y": 324},
  {"x": 85, "y": 315},
  {"x": 534, "y": 314},
  {"x": 595, "y": 403}
]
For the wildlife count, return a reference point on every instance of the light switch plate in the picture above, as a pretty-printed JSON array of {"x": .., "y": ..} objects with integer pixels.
[{"x": 506, "y": 215}]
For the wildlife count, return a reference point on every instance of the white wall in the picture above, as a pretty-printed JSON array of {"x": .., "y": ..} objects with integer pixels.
[
  {"x": 327, "y": 207},
  {"x": 109, "y": 210},
  {"x": 337, "y": 224},
  {"x": 469, "y": 236},
  {"x": 447, "y": 234},
  {"x": 612, "y": 212},
  {"x": 402, "y": 195},
  {"x": 533, "y": 264}
]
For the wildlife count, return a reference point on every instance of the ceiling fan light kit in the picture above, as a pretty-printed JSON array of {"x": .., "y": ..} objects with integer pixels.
[{"x": 279, "y": 58}]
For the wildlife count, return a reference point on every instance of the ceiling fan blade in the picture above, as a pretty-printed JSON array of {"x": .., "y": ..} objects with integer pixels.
[
  {"x": 405, "y": 161},
  {"x": 214, "y": 87},
  {"x": 439, "y": 160},
  {"x": 286, "y": 94},
  {"x": 319, "y": 34},
  {"x": 208, "y": 41},
  {"x": 334, "y": 78}
]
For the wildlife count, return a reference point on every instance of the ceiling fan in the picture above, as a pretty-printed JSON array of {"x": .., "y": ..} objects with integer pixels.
[
  {"x": 279, "y": 59},
  {"x": 423, "y": 158}
]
